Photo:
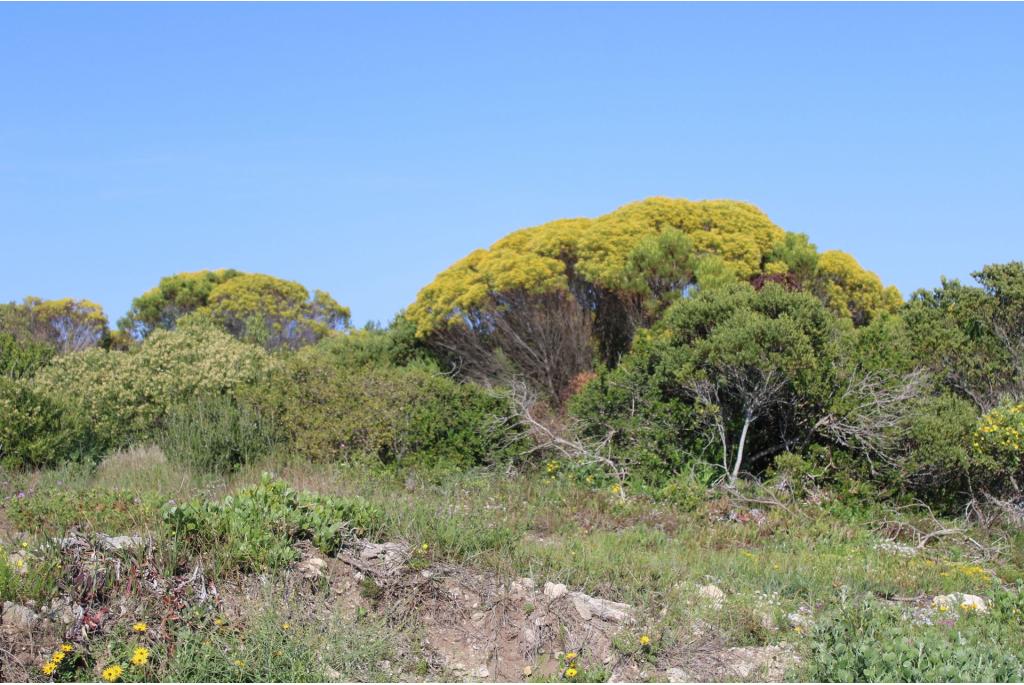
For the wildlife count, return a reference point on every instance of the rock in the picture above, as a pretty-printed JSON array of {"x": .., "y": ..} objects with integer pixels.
[
  {"x": 18, "y": 618},
  {"x": 311, "y": 568},
  {"x": 678, "y": 675},
  {"x": 582, "y": 609},
  {"x": 713, "y": 593},
  {"x": 19, "y": 562},
  {"x": 768, "y": 664},
  {"x": 119, "y": 542},
  {"x": 527, "y": 671},
  {"x": 959, "y": 600},
  {"x": 608, "y": 610},
  {"x": 527, "y": 583},
  {"x": 554, "y": 590}
]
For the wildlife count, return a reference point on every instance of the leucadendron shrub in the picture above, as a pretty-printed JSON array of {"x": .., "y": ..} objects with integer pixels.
[
  {"x": 404, "y": 416},
  {"x": 126, "y": 395}
]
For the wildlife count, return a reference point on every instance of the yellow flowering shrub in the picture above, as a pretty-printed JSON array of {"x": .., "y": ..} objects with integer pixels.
[{"x": 1000, "y": 436}]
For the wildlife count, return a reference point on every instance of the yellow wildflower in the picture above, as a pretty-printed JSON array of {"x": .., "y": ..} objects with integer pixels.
[
  {"x": 67, "y": 648},
  {"x": 218, "y": 621},
  {"x": 616, "y": 489},
  {"x": 424, "y": 547},
  {"x": 57, "y": 657},
  {"x": 140, "y": 627},
  {"x": 645, "y": 640},
  {"x": 570, "y": 672},
  {"x": 286, "y": 626},
  {"x": 49, "y": 667},
  {"x": 140, "y": 656},
  {"x": 112, "y": 673},
  {"x": 239, "y": 663},
  {"x": 570, "y": 656}
]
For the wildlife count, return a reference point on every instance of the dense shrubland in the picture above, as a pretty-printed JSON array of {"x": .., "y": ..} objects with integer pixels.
[
  {"x": 673, "y": 394},
  {"x": 664, "y": 339}
]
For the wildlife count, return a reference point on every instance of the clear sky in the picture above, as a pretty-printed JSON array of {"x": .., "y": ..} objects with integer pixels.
[{"x": 360, "y": 149}]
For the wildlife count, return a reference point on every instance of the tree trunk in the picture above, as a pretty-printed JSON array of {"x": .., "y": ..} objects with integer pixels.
[{"x": 739, "y": 450}]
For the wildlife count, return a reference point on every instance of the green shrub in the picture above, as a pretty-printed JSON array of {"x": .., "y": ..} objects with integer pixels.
[
  {"x": 999, "y": 438},
  {"x": 394, "y": 346},
  {"x": 55, "y": 511},
  {"x": 125, "y": 395},
  {"x": 21, "y": 359},
  {"x": 37, "y": 430},
  {"x": 406, "y": 416},
  {"x": 257, "y": 527},
  {"x": 215, "y": 433},
  {"x": 874, "y": 642}
]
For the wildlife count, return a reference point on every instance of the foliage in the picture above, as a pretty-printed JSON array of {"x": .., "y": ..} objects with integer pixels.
[
  {"x": 1000, "y": 438},
  {"x": 395, "y": 345},
  {"x": 125, "y": 395},
  {"x": 22, "y": 358},
  {"x": 174, "y": 297},
  {"x": 215, "y": 433},
  {"x": 972, "y": 338},
  {"x": 407, "y": 416},
  {"x": 870, "y": 642},
  {"x": 37, "y": 430},
  {"x": 69, "y": 325},
  {"x": 257, "y": 527},
  {"x": 274, "y": 312},
  {"x": 610, "y": 275},
  {"x": 57, "y": 510}
]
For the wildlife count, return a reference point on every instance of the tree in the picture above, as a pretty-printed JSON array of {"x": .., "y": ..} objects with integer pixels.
[
  {"x": 174, "y": 297},
  {"x": 972, "y": 338},
  {"x": 610, "y": 276},
  {"x": 275, "y": 312},
  {"x": 254, "y": 307},
  {"x": 69, "y": 325},
  {"x": 763, "y": 372}
]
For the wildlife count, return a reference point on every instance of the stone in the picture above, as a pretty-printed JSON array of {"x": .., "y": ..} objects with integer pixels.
[
  {"x": 116, "y": 543},
  {"x": 554, "y": 590},
  {"x": 713, "y": 593},
  {"x": 678, "y": 675},
  {"x": 528, "y": 583},
  {"x": 616, "y": 612},
  {"x": 18, "y": 618},
  {"x": 962, "y": 601}
]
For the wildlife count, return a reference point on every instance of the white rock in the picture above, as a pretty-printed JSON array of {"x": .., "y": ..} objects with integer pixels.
[
  {"x": 608, "y": 610},
  {"x": 527, "y": 583},
  {"x": 713, "y": 594},
  {"x": 959, "y": 600},
  {"x": 678, "y": 675},
  {"x": 554, "y": 590},
  {"x": 18, "y": 618}
]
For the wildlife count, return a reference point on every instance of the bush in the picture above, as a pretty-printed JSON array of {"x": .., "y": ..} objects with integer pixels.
[
  {"x": 999, "y": 439},
  {"x": 126, "y": 395},
  {"x": 215, "y": 433},
  {"x": 873, "y": 642},
  {"x": 21, "y": 359},
  {"x": 257, "y": 527},
  {"x": 38, "y": 431},
  {"x": 407, "y": 416}
]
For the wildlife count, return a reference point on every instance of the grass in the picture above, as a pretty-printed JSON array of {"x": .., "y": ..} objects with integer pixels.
[{"x": 821, "y": 559}]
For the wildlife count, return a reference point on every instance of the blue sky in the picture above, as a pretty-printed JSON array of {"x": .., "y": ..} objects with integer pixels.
[{"x": 360, "y": 149}]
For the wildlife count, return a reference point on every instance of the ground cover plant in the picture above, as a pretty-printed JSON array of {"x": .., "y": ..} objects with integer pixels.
[{"x": 675, "y": 442}]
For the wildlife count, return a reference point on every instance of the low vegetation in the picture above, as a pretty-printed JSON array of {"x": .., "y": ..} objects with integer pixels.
[{"x": 671, "y": 443}]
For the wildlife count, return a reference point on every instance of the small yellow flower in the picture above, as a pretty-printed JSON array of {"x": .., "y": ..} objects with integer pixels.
[
  {"x": 140, "y": 627},
  {"x": 645, "y": 640},
  {"x": 286, "y": 626},
  {"x": 616, "y": 489},
  {"x": 49, "y": 667},
  {"x": 67, "y": 648},
  {"x": 218, "y": 621},
  {"x": 570, "y": 672},
  {"x": 24, "y": 545},
  {"x": 112, "y": 673},
  {"x": 570, "y": 656},
  {"x": 424, "y": 547},
  {"x": 239, "y": 663},
  {"x": 140, "y": 656},
  {"x": 57, "y": 657}
]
